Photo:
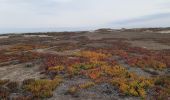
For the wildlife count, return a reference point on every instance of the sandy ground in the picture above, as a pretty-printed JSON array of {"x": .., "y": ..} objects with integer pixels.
[
  {"x": 149, "y": 45},
  {"x": 4, "y": 37},
  {"x": 164, "y": 31},
  {"x": 36, "y": 36},
  {"x": 19, "y": 72}
]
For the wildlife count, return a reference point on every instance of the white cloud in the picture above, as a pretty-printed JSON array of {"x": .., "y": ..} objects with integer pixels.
[
  {"x": 74, "y": 13},
  {"x": 62, "y": 1}
]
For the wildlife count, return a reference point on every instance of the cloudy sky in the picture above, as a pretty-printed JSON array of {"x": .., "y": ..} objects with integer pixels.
[{"x": 38, "y": 14}]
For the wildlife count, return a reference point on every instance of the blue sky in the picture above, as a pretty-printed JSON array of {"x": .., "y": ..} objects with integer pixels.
[{"x": 32, "y": 14}]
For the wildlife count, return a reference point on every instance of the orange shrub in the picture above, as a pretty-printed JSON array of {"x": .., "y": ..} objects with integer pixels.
[
  {"x": 56, "y": 68},
  {"x": 134, "y": 87},
  {"x": 115, "y": 71},
  {"x": 93, "y": 56},
  {"x": 146, "y": 62},
  {"x": 25, "y": 47},
  {"x": 120, "y": 53},
  {"x": 86, "y": 85},
  {"x": 42, "y": 88},
  {"x": 95, "y": 74}
]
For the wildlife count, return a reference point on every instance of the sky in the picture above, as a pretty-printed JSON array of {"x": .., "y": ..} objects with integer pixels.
[{"x": 37, "y": 15}]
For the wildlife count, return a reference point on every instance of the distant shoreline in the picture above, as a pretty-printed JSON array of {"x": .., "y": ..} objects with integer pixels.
[{"x": 45, "y": 30}]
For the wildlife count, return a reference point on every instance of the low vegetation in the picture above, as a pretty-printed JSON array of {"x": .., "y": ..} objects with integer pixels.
[
  {"x": 133, "y": 87},
  {"x": 42, "y": 88},
  {"x": 118, "y": 65},
  {"x": 146, "y": 62}
]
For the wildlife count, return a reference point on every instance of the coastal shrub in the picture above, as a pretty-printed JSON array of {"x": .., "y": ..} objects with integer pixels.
[
  {"x": 133, "y": 87},
  {"x": 3, "y": 82},
  {"x": 72, "y": 90},
  {"x": 4, "y": 93},
  {"x": 13, "y": 86},
  {"x": 115, "y": 71},
  {"x": 56, "y": 68},
  {"x": 93, "y": 56},
  {"x": 162, "y": 88},
  {"x": 79, "y": 67},
  {"x": 146, "y": 62},
  {"x": 42, "y": 88},
  {"x": 86, "y": 85},
  {"x": 25, "y": 47},
  {"x": 94, "y": 74}
]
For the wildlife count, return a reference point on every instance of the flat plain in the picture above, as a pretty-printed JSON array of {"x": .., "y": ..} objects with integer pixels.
[{"x": 99, "y": 65}]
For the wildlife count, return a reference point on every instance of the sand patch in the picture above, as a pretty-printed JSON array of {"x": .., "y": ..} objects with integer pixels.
[
  {"x": 4, "y": 37},
  {"x": 19, "y": 72},
  {"x": 37, "y": 36},
  {"x": 149, "y": 45}
]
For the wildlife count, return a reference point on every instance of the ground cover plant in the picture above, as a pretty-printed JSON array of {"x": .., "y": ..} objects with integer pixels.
[
  {"x": 42, "y": 88},
  {"x": 95, "y": 66},
  {"x": 113, "y": 69}
]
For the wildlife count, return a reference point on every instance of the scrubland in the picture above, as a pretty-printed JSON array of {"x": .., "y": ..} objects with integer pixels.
[{"x": 99, "y": 65}]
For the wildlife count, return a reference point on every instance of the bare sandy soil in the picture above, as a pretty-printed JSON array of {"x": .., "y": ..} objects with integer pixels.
[
  {"x": 4, "y": 37},
  {"x": 149, "y": 45},
  {"x": 19, "y": 72}
]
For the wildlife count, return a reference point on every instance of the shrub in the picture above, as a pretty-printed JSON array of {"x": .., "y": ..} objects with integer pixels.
[
  {"x": 54, "y": 60},
  {"x": 94, "y": 73},
  {"x": 72, "y": 90},
  {"x": 115, "y": 71},
  {"x": 13, "y": 86},
  {"x": 42, "y": 88},
  {"x": 134, "y": 87},
  {"x": 146, "y": 62},
  {"x": 56, "y": 68},
  {"x": 28, "y": 81},
  {"x": 86, "y": 85},
  {"x": 21, "y": 97},
  {"x": 93, "y": 56},
  {"x": 4, "y": 93},
  {"x": 3, "y": 82},
  {"x": 23, "y": 47},
  {"x": 76, "y": 69},
  {"x": 29, "y": 65},
  {"x": 120, "y": 53},
  {"x": 162, "y": 88},
  {"x": 28, "y": 56}
]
